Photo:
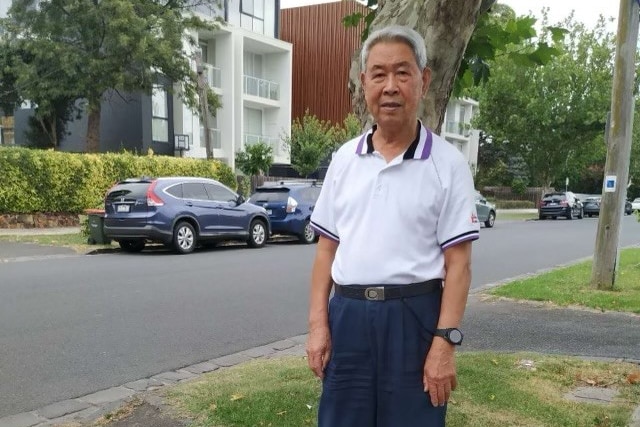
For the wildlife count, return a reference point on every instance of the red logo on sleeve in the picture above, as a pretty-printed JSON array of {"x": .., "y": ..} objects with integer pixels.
[{"x": 474, "y": 218}]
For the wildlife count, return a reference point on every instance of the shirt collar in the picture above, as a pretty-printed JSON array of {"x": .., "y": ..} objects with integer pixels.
[{"x": 420, "y": 148}]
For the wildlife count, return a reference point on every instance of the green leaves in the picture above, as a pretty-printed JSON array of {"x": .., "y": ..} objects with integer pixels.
[{"x": 255, "y": 159}]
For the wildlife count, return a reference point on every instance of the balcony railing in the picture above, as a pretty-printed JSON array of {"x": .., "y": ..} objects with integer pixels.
[
  {"x": 214, "y": 76},
  {"x": 214, "y": 135},
  {"x": 261, "y": 87},
  {"x": 273, "y": 142},
  {"x": 459, "y": 128}
]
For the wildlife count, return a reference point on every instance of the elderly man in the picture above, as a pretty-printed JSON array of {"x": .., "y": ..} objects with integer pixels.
[{"x": 396, "y": 217}]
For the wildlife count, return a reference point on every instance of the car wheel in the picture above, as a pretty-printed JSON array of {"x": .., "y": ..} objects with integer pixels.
[
  {"x": 257, "y": 234},
  {"x": 184, "y": 238},
  {"x": 541, "y": 217},
  {"x": 131, "y": 246},
  {"x": 589, "y": 215},
  {"x": 491, "y": 220},
  {"x": 308, "y": 236}
]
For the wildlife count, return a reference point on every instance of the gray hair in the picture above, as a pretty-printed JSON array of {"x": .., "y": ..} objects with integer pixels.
[{"x": 396, "y": 33}]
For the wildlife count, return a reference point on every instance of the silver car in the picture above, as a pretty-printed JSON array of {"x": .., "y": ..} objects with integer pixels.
[{"x": 485, "y": 210}]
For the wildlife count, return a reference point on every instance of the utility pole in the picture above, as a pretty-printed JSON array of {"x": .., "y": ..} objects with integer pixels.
[{"x": 618, "y": 148}]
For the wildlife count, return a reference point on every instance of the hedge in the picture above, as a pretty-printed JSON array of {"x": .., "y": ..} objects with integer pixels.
[{"x": 58, "y": 182}]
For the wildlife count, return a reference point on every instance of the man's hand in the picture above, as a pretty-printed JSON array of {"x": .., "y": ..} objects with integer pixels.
[
  {"x": 439, "y": 376},
  {"x": 319, "y": 350}
]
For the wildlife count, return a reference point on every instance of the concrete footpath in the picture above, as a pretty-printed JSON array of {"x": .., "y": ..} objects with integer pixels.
[{"x": 489, "y": 325}]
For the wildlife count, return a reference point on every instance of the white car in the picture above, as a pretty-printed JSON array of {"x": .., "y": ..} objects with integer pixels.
[{"x": 635, "y": 205}]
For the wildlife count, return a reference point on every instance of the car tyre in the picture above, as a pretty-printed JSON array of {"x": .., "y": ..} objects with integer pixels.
[
  {"x": 308, "y": 235},
  {"x": 541, "y": 217},
  {"x": 184, "y": 238},
  {"x": 131, "y": 246},
  {"x": 491, "y": 220},
  {"x": 257, "y": 234}
]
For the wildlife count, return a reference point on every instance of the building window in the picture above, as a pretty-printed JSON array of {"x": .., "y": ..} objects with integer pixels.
[
  {"x": 252, "y": 15},
  {"x": 159, "y": 114}
]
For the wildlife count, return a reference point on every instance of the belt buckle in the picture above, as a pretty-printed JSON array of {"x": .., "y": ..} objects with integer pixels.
[{"x": 374, "y": 293}]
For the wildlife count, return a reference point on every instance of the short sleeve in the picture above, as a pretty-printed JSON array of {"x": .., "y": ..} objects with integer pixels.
[
  {"x": 323, "y": 218},
  {"x": 458, "y": 221}
]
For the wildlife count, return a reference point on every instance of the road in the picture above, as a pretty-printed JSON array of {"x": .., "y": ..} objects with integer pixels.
[{"x": 73, "y": 325}]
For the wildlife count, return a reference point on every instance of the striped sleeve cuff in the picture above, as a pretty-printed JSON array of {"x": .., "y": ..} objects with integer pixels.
[
  {"x": 471, "y": 235},
  {"x": 323, "y": 231}
]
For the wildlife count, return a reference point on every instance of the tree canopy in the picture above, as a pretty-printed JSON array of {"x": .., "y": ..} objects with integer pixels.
[
  {"x": 552, "y": 116},
  {"x": 69, "y": 50}
]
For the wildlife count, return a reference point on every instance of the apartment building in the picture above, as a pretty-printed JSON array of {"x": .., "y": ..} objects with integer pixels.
[
  {"x": 323, "y": 53},
  {"x": 244, "y": 62}
]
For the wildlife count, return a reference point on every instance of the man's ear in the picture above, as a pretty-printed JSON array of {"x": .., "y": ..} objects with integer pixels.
[
  {"x": 426, "y": 80},
  {"x": 362, "y": 79}
]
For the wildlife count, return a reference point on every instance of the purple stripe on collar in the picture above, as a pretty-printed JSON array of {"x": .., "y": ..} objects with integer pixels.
[
  {"x": 426, "y": 150},
  {"x": 361, "y": 143}
]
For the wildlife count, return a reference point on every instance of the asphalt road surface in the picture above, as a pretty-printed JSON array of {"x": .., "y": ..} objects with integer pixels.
[{"x": 72, "y": 325}]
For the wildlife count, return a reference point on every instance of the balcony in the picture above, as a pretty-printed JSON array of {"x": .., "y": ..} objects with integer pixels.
[
  {"x": 214, "y": 75},
  {"x": 214, "y": 135},
  {"x": 273, "y": 142},
  {"x": 262, "y": 88},
  {"x": 458, "y": 128}
]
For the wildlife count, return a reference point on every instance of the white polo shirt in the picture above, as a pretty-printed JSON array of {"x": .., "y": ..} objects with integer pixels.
[{"x": 393, "y": 220}]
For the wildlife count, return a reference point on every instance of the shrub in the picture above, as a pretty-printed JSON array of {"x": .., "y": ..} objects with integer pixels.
[
  {"x": 54, "y": 181},
  {"x": 515, "y": 204}
]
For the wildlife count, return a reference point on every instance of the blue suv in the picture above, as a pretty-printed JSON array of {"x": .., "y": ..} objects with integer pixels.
[
  {"x": 180, "y": 212},
  {"x": 289, "y": 205}
]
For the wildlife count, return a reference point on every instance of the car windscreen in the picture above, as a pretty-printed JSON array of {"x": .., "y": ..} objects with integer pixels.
[
  {"x": 270, "y": 195},
  {"x": 554, "y": 197},
  {"x": 130, "y": 190}
]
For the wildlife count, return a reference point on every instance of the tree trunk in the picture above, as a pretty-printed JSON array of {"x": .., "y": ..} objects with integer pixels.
[
  {"x": 93, "y": 127},
  {"x": 446, "y": 26}
]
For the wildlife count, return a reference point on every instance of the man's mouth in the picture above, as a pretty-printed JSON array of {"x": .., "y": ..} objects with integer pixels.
[{"x": 390, "y": 105}]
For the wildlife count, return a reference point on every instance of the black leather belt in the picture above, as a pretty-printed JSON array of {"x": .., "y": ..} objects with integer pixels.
[{"x": 385, "y": 292}]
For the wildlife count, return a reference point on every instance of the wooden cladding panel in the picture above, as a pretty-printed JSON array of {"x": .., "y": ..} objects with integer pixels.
[{"x": 322, "y": 52}]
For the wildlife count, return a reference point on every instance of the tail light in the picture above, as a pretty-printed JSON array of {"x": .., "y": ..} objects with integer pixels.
[
  {"x": 564, "y": 203},
  {"x": 292, "y": 204},
  {"x": 152, "y": 198}
]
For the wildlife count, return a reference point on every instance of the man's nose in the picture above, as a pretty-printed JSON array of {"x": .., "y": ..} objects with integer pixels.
[{"x": 391, "y": 84}]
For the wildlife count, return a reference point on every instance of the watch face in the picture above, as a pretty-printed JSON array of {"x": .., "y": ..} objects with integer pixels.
[{"x": 455, "y": 336}]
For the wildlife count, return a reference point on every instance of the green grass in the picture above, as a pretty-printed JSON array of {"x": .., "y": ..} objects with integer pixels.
[
  {"x": 571, "y": 286},
  {"x": 493, "y": 390},
  {"x": 76, "y": 241},
  {"x": 515, "y": 216}
]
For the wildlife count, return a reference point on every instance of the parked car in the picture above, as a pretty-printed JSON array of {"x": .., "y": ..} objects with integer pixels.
[
  {"x": 564, "y": 204},
  {"x": 485, "y": 210},
  {"x": 289, "y": 205},
  {"x": 635, "y": 204},
  {"x": 592, "y": 206},
  {"x": 180, "y": 212}
]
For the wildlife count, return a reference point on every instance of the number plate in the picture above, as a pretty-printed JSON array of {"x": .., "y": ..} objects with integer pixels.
[
  {"x": 122, "y": 208},
  {"x": 553, "y": 204},
  {"x": 269, "y": 212}
]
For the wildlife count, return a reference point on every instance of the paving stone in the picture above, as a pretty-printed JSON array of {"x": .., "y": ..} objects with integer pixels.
[
  {"x": 172, "y": 377},
  {"x": 298, "y": 350},
  {"x": 143, "y": 385},
  {"x": 201, "y": 368},
  {"x": 257, "y": 352},
  {"x": 300, "y": 339},
  {"x": 635, "y": 418},
  {"x": 26, "y": 419},
  {"x": 282, "y": 345},
  {"x": 109, "y": 395},
  {"x": 230, "y": 360},
  {"x": 593, "y": 395},
  {"x": 60, "y": 409}
]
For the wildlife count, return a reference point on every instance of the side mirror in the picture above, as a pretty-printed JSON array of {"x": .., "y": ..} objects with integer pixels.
[{"x": 240, "y": 200}]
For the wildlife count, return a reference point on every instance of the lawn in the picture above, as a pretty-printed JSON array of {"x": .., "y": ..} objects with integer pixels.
[
  {"x": 494, "y": 390},
  {"x": 571, "y": 286}
]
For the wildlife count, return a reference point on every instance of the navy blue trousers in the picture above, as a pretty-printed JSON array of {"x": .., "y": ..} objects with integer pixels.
[{"x": 374, "y": 376}]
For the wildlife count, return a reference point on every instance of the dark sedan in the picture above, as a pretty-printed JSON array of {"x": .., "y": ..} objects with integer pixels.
[
  {"x": 560, "y": 204},
  {"x": 592, "y": 206}
]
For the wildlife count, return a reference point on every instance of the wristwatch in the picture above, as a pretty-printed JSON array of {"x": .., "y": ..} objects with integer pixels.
[{"x": 452, "y": 335}]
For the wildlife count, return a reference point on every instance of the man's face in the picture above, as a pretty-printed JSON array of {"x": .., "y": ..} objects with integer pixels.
[{"x": 393, "y": 84}]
